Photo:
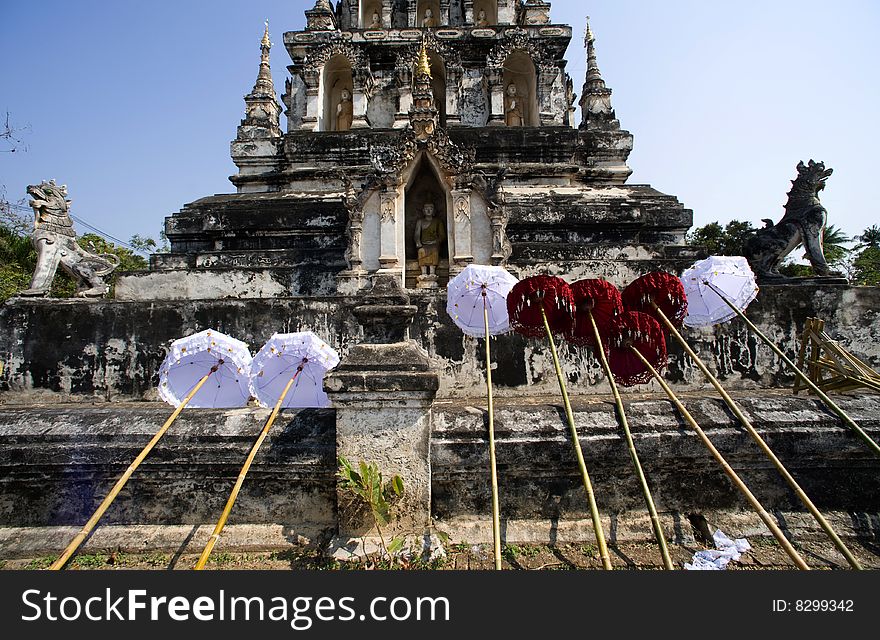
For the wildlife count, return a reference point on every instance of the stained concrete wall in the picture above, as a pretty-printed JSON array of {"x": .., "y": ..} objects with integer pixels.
[{"x": 63, "y": 350}]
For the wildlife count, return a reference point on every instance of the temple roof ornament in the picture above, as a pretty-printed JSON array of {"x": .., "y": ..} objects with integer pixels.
[
  {"x": 423, "y": 67},
  {"x": 262, "y": 110},
  {"x": 321, "y": 17},
  {"x": 264, "y": 84},
  {"x": 424, "y": 116},
  {"x": 596, "y": 109}
]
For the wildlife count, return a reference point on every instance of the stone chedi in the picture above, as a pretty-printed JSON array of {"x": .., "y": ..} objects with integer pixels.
[{"x": 475, "y": 115}]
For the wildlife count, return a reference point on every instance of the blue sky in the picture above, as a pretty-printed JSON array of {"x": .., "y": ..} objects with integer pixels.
[{"x": 133, "y": 105}]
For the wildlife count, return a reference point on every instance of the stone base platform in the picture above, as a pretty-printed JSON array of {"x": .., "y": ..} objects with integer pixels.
[{"x": 57, "y": 463}]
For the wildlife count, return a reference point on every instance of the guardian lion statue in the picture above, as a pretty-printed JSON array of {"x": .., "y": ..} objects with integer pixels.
[
  {"x": 803, "y": 223},
  {"x": 55, "y": 241}
]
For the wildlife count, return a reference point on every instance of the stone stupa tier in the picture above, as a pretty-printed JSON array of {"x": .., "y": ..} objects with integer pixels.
[{"x": 391, "y": 106}]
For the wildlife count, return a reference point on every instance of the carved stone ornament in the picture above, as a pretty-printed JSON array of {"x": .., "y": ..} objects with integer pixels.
[
  {"x": 318, "y": 56},
  {"x": 321, "y": 17},
  {"x": 803, "y": 223},
  {"x": 518, "y": 40},
  {"x": 387, "y": 207},
  {"x": 501, "y": 247},
  {"x": 55, "y": 242},
  {"x": 354, "y": 204},
  {"x": 462, "y": 209},
  {"x": 394, "y": 158},
  {"x": 410, "y": 55}
]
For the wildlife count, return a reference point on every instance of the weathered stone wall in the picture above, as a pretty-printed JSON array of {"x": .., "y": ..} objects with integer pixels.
[
  {"x": 540, "y": 480},
  {"x": 111, "y": 349},
  {"x": 57, "y": 464}
]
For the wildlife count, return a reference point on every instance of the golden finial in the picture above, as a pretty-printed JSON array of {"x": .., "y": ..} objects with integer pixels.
[
  {"x": 424, "y": 65},
  {"x": 265, "y": 41}
]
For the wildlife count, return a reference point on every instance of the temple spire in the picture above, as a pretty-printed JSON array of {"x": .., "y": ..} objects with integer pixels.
[
  {"x": 264, "y": 84},
  {"x": 423, "y": 115},
  {"x": 423, "y": 66},
  {"x": 262, "y": 111},
  {"x": 596, "y": 109}
]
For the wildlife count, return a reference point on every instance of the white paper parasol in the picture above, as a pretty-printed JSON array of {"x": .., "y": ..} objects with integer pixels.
[
  {"x": 465, "y": 299},
  {"x": 193, "y": 357},
  {"x": 477, "y": 302},
  {"x": 729, "y": 274},
  {"x": 278, "y": 361}
]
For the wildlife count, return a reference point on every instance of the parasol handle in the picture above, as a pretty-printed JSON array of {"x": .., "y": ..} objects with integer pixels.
[
  {"x": 218, "y": 528},
  {"x": 621, "y": 415},
  {"x": 496, "y": 516},
  {"x": 872, "y": 445},
  {"x": 747, "y": 425},
  {"x": 99, "y": 512},
  {"x": 728, "y": 470},
  {"x": 582, "y": 465}
]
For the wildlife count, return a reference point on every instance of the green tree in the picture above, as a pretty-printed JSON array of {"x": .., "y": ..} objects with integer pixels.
[
  {"x": 128, "y": 259},
  {"x": 870, "y": 238},
  {"x": 18, "y": 260},
  {"x": 720, "y": 240},
  {"x": 866, "y": 267}
]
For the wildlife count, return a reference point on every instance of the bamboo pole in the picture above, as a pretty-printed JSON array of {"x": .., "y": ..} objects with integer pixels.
[
  {"x": 873, "y": 446},
  {"x": 218, "y": 528},
  {"x": 728, "y": 470},
  {"x": 99, "y": 512},
  {"x": 621, "y": 415},
  {"x": 496, "y": 516},
  {"x": 582, "y": 465},
  {"x": 734, "y": 407}
]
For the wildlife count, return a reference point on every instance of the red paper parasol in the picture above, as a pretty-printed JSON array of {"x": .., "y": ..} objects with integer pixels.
[
  {"x": 662, "y": 288},
  {"x": 602, "y": 299},
  {"x": 643, "y": 332},
  {"x": 526, "y": 298}
]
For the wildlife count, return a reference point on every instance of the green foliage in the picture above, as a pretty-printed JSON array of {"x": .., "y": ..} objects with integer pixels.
[
  {"x": 834, "y": 247},
  {"x": 18, "y": 258},
  {"x": 40, "y": 563},
  {"x": 128, "y": 259},
  {"x": 368, "y": 486},
  {"x": 17, "y": 262},
  {"x": 866, "y": 266},
  {"x": 870, "y": 238},
  {"x": 721, "y": 241},
  {"x": 90, "y": 561}
]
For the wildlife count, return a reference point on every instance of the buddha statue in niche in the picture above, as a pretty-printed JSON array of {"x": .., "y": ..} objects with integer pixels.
[
  {"x": 482, "y": 20},
  {"x": 513, "y": 114},
  {"x": 429, "y": 233},
  {"x": 344, "y": 111},
  {"x": 429, "y": 19},
  {"x": 376, "y": 21}
]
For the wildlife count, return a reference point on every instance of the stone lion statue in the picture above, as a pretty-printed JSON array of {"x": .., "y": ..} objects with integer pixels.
[
  {"x": 803, "y": 223},
  {"x": 55, "y": 241}
]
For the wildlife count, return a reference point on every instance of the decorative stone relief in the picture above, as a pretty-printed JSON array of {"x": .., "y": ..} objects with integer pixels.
[
  {"x": 462, "y": 208},
  {"x": 392, "y": 159},
  {"x": 518, "y": 40},
  {"x": 388, "y": 206},
  {"x": 321, "y": 17},
  {"x": 318, "y": 56},
  {"x": 536, "y": 12}
]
